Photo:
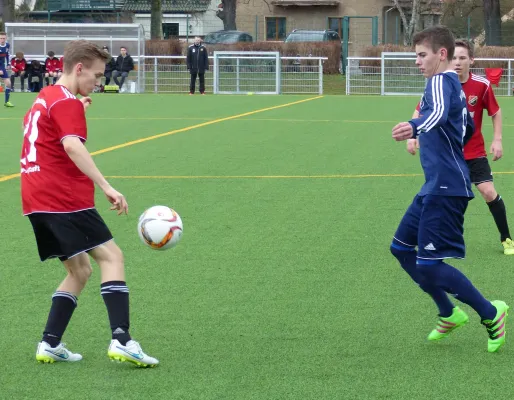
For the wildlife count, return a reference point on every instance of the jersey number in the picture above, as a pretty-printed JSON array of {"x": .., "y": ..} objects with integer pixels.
[
  {"x": 464, "y": 122},
  {"x": 31, "y": 130}
]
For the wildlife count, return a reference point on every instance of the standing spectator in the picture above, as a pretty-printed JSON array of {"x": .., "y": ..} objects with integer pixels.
[
  {"x": 18, "y": 67},
  {"x": 109, "y": 67},
  {"x": 124, "y": 64},
  {"x": 53, "y": 68},
  {"x": 197, "y": 64},
  {"x": 35, "y": 76}
]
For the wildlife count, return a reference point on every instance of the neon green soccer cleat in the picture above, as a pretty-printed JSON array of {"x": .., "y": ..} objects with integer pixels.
[
  {"x": 8, "y": 104},
  {"x": 447, "y": 325},
  {"x": 496, "y": 328},
  {"x": 508, "y": 247}
]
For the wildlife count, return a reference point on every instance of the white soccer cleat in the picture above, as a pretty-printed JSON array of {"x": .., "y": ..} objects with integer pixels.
[
  {"x": 60, "y": 353},
  {"x": 132, "y": 352}
]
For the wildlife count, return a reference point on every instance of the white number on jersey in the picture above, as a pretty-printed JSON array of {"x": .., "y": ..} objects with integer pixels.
[{"x": 31, "y": 130}]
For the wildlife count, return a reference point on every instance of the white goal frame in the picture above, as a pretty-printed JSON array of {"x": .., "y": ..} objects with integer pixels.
[
  {"x": 394, "y": 56},
  {"x": 243, "y": 55}
]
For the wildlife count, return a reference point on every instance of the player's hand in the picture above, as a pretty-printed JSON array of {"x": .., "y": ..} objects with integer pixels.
[
  {"x": 1, "y": 73},
  {"x": 117, "y": 200},
  {"x": 402, "y": 131},
  {"x": 86, "y": 102},
  {"x": 496, "y": 149},
  {"x": 412, "y": 145}
]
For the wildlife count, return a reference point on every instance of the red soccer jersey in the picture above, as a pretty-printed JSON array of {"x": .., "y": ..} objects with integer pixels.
[
  {"x": 18, "y": 65},
  {"x": 52, "y": 65},
  {"x": 479, "y": 97},
  {"x": 50, "y": 181},
  {"x": 61, "y": 63}
]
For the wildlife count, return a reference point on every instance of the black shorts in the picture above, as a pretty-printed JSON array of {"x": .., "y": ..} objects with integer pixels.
[
  {"x": 64, "y": 235},
  {"x": 480, "y": 170}
]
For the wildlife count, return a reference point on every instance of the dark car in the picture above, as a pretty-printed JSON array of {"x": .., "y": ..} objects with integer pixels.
[
  {"x": 302, "y": 35},
  {"x": 225, "y": 37}
]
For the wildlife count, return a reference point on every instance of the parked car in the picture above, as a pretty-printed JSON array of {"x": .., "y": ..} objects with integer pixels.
[
  {"x": 301, "y": 35},
  {"x": 225, "y": 37}
]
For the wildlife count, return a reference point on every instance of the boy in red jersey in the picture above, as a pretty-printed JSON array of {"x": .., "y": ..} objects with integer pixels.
[
  {"x": 58, "y": 178},
  {"x": 53, "y": 68},
  {"x": 18, "y": 66},
  {"x": 480, "y": 97}
]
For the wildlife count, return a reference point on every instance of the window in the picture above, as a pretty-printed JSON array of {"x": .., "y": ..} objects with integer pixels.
[
  {"x": 276, "y": 28},
  {"x": 169, "y": 30},
  {"x": 336, "y": 24}
]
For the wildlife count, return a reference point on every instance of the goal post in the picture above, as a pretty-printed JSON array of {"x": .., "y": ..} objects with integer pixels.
[
  {"x": 243, "y": 72},
  {"x": 400, "y": 75}
]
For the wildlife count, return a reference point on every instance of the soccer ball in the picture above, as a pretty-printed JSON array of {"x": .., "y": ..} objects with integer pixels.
[{"x": 160, "y": 228}]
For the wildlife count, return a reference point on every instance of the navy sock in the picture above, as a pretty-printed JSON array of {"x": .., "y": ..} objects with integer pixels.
[
  {"x": 456, "y": 283},
  {"x": 407, "y": 258},
  {"x": 7, "y": 94},
  {"x": 63, "y": 305}
]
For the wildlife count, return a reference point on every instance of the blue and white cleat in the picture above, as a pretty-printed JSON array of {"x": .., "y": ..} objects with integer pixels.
[
  {"x": 47, "y": 354},
  {"x": 132, "y": 352}
]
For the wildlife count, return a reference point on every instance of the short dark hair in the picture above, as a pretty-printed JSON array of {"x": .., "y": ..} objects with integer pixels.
[
  {"x": 51, "y": 53},
  {"x": 437, "y": 37},
  {"x": 3, "y": 34},
  {"x": 467, "y": 45}
]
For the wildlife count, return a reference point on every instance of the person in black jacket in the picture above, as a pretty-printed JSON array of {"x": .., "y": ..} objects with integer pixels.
[
  {"x": 109, "y": 67},
  {"x": 197, "y": 64},
  {"x": 124, "y": 64},
  {"x": 35, "y": 71}
]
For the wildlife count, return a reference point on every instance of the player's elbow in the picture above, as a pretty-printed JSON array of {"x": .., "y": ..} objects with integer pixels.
[{"x": 71, "y": 144}]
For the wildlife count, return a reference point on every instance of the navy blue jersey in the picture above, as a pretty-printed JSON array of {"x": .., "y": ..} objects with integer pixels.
[
  {"x": 4, "y": 54},
  {"x": 441, "y": 127}
]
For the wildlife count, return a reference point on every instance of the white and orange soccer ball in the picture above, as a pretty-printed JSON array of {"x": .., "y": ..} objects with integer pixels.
[{"x": 160, "y": 228}]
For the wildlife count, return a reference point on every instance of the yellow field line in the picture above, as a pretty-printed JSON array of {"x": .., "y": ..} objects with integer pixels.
[{"x": 188, "y": 128}]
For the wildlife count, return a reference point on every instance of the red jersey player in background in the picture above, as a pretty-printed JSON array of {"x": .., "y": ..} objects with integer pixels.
[
  {"x": 58, "y": 178},
  {"x": 52, "y": 68},
  {"x": 18, "y": 66},
  {"x": 480, "y": 97}
]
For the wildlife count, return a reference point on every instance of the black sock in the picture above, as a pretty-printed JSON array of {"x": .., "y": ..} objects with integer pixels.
[
  {"x": 63, "y": 305},
  {"x": 497, "y": 208},
  {"x": 116, "y": 299},
  {"x": 47, "y": 82}
]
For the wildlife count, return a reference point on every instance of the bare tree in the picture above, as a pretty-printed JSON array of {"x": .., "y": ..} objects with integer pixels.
[
  {"x": 410, "y": 25},
  {"x": 227, "y": 14},
  {"x": 156, "y": 20},
  {"x": 480, "y": 39},
  {"x": 7, "y": 9},
  {"x": 492, "y": 23}
]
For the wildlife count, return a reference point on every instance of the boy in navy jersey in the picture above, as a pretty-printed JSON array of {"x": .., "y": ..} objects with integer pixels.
[
  {"x": 4, "y": 63},
  {"x": 434, "y": 222}
]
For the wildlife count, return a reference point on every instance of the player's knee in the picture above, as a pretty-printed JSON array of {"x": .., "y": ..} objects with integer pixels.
[
  {"x": 400, "y": 250},
  {"x": 430, "y": 271},
  {"x": 487, "y": 191},
  {"x": 81, "y": 273}
]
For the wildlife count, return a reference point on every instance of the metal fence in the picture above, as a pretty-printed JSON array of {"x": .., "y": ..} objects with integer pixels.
[
  {"x": 169, "y": 74},
  {"x": 376, "y": 76}
]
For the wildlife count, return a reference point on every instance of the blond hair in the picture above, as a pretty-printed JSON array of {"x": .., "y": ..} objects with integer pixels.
[{"x": 84, "y": 52}]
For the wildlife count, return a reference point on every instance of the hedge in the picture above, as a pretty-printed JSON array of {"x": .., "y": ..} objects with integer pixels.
[
  {"x": 480, "y": 52},
  {"x": 330, "y": 50}
]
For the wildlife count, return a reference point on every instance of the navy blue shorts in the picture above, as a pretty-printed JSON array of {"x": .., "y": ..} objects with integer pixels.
[
  {"x": 5, "y": 74},
  {"x": 435, "y": 224}
]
